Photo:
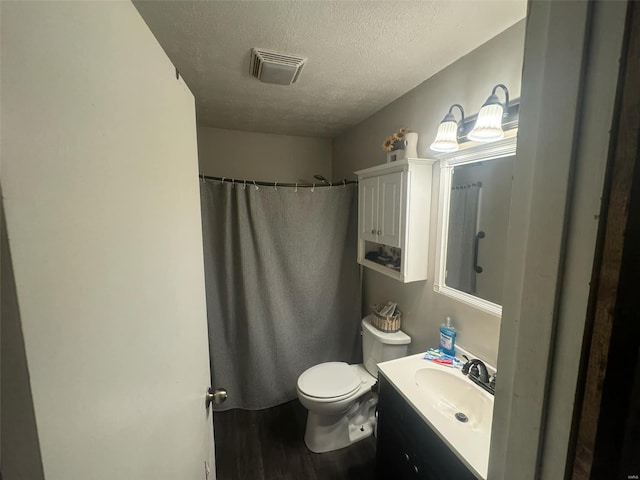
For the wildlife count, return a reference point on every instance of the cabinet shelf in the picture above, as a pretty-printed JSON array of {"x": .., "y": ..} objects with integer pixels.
[
  {"x": 394, "y": 205},
  {"x": 390, "y": 272}
]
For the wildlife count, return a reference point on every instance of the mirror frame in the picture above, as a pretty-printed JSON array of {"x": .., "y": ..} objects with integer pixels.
[{"x": 472, "y": 154}]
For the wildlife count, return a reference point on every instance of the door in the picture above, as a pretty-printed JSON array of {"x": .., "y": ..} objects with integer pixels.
[
  {"x": 390, "y": 209},
  {"x": 368, "y": 201},
  {"x": 100, "y": 189}
]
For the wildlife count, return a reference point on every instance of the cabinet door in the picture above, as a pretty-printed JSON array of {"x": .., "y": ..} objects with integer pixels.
[
  {"x": 368, "y": 218},
  {"x": 390, "y": 208},
  {"x": 407, "y": 448}
]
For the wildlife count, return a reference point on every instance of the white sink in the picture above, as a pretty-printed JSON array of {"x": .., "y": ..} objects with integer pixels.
[
  {"x": 456, "y": 398},
  {"x": 437, "y": 393}
]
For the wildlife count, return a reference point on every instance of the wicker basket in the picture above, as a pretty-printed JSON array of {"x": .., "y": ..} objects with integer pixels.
[{"x": 388, "y": 323}]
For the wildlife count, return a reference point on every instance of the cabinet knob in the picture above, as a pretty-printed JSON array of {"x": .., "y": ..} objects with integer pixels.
[
  {"x": 373, "y": 231},
  {"x": 415, "y": 469},
  {"x": 379, "y": 232},
  {"x": 406, "y": 457}
]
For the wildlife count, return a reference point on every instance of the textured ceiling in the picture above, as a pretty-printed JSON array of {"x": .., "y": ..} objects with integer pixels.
[{"x": 362, "y": 55}]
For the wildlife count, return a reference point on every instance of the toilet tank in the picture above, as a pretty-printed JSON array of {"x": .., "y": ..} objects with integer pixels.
[{"x": 378, "y": 346}]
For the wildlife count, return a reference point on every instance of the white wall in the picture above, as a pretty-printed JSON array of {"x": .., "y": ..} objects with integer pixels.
[
  {"x": 100, "y": 188},
  {"x": 467, "y": 81},
  {"x": 262, "y": 156}
]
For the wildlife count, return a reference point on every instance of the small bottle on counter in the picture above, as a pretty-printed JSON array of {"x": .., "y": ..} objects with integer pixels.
[{"x": 448, "y": 338}]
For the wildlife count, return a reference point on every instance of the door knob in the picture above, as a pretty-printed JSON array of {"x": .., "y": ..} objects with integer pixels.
[
  {"x": 373, "y": 231},
  {"x": 216, "y": 396},
  {"x": 379, "y": 232}
]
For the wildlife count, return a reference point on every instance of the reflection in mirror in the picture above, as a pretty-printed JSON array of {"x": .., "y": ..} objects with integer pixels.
[
  {"x": 479, "y": 203},
  {"x": 473, "y": 218}
]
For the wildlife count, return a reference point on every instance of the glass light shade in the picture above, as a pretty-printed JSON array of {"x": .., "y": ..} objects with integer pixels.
[
  {"x": 488, "y": 126},
  {"x": 447, "y": 136}
]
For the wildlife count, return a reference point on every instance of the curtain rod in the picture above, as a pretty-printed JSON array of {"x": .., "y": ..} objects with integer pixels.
[
  {"x": 278, "y": 184},
  {"x": 468, "y": 185}
]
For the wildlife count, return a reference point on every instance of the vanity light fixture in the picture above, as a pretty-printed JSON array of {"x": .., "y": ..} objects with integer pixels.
[
  {"x": 488, "y": 127},
  {"x": 447, "y": 136}
]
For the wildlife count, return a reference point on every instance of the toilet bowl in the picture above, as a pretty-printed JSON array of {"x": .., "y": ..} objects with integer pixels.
[
  {"x": 338, "y": 396},
  {"x": 340, "y": 403}
]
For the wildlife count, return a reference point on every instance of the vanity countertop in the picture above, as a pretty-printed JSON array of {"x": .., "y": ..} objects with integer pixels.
[{"x": 437, "y": 396}]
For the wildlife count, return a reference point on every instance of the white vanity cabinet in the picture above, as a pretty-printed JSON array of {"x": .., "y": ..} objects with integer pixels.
[{"x": 394, "y": 205}]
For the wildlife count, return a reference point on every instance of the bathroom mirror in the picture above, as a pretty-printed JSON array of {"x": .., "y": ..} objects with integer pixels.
[{"x": 475, "y": 199}]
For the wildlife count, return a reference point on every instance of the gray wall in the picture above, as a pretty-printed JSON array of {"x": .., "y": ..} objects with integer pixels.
[
  {"x": 467, "y": 81},
  {"x": 262, "y": 156}
]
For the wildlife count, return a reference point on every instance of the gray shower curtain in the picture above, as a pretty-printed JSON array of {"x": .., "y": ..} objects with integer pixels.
[
  {"x": 463, "y": 226},
  {"x": 282, "y": 286}
]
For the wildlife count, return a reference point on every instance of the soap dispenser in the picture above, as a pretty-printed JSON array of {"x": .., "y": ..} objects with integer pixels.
[{"x": 448, "y": 338}]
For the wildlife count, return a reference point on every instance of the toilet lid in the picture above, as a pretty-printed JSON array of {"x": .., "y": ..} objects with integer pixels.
[{"x": 327, "y": 380}]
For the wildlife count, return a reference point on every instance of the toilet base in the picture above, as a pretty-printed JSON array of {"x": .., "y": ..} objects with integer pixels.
[{"x": 325, "y": 433}]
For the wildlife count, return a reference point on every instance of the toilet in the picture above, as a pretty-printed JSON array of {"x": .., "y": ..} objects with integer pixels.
[{"x": 338, "y": 395}]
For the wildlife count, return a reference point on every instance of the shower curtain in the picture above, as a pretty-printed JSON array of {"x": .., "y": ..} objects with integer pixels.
[
  {"x": 463, "y": 226},
  {"x": 282, "y": 286}
]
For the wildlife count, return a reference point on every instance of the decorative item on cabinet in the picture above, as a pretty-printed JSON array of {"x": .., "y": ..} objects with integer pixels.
[
  {"x": 395, "y": 155},
  {"x": 411, "y": 145},
  {"x": 395, "y": 140},
  {"x": 403, "y": 143},
  {"x": 393, "y": 218}
]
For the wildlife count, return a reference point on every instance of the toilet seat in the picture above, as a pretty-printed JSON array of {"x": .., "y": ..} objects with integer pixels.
[{"x": 330, "y": 380}]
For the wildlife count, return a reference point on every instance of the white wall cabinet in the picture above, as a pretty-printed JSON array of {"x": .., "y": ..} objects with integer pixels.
[
  {"x": 381, "y": 208},
  {"x": 394, "y": 205}
]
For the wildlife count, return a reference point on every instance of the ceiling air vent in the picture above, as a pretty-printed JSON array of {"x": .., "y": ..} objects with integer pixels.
[{"x": 275, "y": 67}]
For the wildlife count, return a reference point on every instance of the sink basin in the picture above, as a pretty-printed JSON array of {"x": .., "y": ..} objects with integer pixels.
[{"x": 456, "y": 397}]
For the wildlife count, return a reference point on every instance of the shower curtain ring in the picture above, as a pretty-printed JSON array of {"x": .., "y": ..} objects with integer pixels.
[
  {"x": 330, "y": 185},
  {"x": 344, "y": 183},
  {"x": 222, "y": 181},
  {"x": 313, "y": 187},
  {"x": 244, "y": 187},
  {"x": 296, "y": 187},
  {"x": 275, "y": 186},
  {"x": 254, "y": 184}
]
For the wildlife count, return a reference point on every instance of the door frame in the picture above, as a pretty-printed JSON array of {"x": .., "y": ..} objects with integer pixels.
[{"x": 606, "y": 427}]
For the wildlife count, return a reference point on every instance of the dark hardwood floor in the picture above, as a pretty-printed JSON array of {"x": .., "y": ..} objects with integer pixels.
[{"x": 269, "y": 445}]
